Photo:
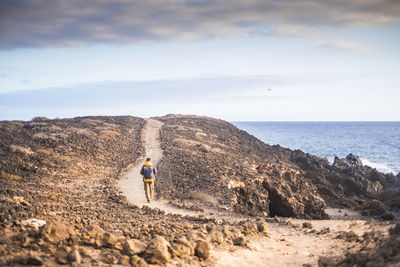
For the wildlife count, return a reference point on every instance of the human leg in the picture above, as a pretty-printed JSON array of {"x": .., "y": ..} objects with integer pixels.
[
  {"x": 151, "y": 189},
  {"x": 147, "y": 190}
]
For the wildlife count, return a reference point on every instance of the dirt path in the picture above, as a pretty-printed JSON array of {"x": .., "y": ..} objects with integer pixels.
[
  {"x": 132, "y": 185},
  {"x": 284, "y": 246}
]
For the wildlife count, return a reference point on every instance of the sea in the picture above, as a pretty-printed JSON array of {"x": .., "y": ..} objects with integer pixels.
[{"x": 376, "y": 143}]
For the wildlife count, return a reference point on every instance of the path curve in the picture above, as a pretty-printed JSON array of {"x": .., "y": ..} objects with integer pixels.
[
  {"x": 132, "y": 184},
  {"x": 285, "y": 245}
]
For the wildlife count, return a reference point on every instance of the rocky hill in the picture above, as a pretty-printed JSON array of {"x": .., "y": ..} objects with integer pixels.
[
  {"x": 47, "y": 166},
  {"x": 59, "y": 203},
  {"x": 215, "y": 163}
]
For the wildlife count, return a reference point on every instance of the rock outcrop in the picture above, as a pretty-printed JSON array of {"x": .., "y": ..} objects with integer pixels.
[
  {"x": 290, "y": 194},
  {"x": 212, "y": 162}
]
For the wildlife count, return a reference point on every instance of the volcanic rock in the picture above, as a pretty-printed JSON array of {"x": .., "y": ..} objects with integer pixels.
[
  {"x": 350, "y": 161},
  {"x": 240, "y": 241},
  {"x": 218, "y": 168},
  {"x": 62, "y": 254},
  {"x": 136, "y": 261},
  {"x": 202, "y": 250},
  {"x": 157, "y": 251},
  {"x": 133, "y": 246},
  {"x": 376, "y": 250},
  {"x": 57, "y": 232},
  {"x": 262, "y": 227},
  {"x": 75, "y": 256}
]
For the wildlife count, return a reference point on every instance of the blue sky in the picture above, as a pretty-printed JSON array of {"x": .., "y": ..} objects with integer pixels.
[{"x": 250, "y": 60}]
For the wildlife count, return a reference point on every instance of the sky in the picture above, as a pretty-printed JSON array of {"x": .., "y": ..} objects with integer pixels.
[{"x": 253, "y": 60}]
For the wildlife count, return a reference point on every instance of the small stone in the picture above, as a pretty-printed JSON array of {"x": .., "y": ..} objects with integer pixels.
[
  {"x": 124, "y": 260},
  {"x": 75, "y": 256},
  {"x": 35, "y": 260},
  {"x": 325, "y": 230},
  {"x": 307, "y": 225},
  {"x": 62, "y": 255},
  {"x": 262, "y": 227},
  {"x": 240, "y": 241},
  {"x": 109, "y": 258},
  {"x": 202, "y": 250}
]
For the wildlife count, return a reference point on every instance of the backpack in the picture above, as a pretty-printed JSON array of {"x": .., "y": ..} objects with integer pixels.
[{"x": 147, "y": 171}]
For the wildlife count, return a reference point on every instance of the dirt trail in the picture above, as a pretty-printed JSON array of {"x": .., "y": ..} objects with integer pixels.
[
  {"x": 284, "y": 246},
  {"x": 132, "y": 185}
]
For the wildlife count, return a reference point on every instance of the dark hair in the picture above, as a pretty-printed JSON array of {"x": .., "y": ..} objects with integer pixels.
[{"x": 148, "y": 159}]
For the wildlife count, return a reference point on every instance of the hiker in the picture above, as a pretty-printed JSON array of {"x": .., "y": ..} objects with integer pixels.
[{"x": 148, "y": 171}]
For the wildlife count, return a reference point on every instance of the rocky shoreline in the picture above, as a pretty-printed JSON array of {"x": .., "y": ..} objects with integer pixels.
[
  {"x": 230, "y": 169},
  {"x": 60, "y": 205}
]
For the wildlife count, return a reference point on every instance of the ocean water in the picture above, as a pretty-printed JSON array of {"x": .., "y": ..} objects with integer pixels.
[{"x": 376, "y": 143}]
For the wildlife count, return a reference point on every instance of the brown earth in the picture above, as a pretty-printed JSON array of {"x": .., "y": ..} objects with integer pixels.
[{"x": 60, "y": 202}]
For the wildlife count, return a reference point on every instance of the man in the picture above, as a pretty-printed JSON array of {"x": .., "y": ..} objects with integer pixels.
[{"x": 148, "y": 171}]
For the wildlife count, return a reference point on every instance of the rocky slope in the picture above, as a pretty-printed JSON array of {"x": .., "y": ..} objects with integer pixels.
[
  {"x": 213, "y": 162},
  {"x": 52, "y": 165},
  {"x": 59, "y": 203}
]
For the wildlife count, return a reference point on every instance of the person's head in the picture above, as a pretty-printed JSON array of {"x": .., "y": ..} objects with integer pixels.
[{"x": 148, "y": 159}]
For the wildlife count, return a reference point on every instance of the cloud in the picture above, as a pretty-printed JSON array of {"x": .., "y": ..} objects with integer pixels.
[
  {"x": 117, "y": 93},
  {"x": 347, "y": 46},
  {"x": 47, "y": 23}
]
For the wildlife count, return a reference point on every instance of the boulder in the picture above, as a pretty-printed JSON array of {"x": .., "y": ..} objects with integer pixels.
[
  {"x": 132, "y": 247},
  {"x": 182, "y": 248},
  {"x": 57, "y": 232},
  {"x": 157, "y": 251},
  {"x": 109, "y": 240},
  {"x": 348, "y": 162}
]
